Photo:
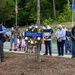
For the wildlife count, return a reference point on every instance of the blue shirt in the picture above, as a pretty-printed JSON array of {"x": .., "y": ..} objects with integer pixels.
[
  {"x": 3, "y": 30},
  {"x": 60, "y": 33}
]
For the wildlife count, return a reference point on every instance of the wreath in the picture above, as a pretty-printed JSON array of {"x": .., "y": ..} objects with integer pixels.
[{"x": 33, "y": 40}]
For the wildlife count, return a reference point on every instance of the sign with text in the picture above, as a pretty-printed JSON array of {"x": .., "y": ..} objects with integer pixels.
[{"x": 33, "y": 34}]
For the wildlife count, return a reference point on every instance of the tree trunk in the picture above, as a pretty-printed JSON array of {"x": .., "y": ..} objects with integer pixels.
[
  {"x": 38, "y": 12},
  {"x": 38, "y": 23},
  {"x": 54, "y": 9},
  {"x": 38, "y": 53},
  {"x": 68, "y": 2}
]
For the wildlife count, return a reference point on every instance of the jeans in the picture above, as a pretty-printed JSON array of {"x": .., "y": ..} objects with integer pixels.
[
  {"x": 40, "y": 47},
  {"x": 73, "y": 48},
  {"x": 13, "y": 40},
  {"x": 68, "y": 46},
  {"x": 51, "y": 43},
  {"x": 60, "y": 46},
  {"x": 1, "y": 50},
  {"x": 48, "y": 46}
]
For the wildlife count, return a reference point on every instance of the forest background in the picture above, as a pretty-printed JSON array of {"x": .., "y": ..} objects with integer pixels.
[{"x": 59, "y": 11}]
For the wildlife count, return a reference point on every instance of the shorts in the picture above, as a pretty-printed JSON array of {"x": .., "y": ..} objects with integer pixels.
[{"x": 13, "y": 40}]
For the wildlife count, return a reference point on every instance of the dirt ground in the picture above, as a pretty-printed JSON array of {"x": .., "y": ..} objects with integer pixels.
[{"x": 24, "y": 64}]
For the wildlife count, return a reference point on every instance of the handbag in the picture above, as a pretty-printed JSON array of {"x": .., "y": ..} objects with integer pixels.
[{"x": 3, "y": 38}]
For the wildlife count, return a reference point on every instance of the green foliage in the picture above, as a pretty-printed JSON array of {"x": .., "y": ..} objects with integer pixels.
[
  {"x": 7, "y": 10},
  {"x": 27, "y": 11},
  {"x": 49, "y": 20},
  {"x": 66, "y": 15}
]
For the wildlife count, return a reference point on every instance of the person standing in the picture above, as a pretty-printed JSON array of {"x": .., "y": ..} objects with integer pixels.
[
  {"x": 47, "y": 34},
  {"x": 2, "y": 32},
  {"x": 73, "y": 41},
  {"x": 65, "y": 29},
  {"x": 60, "y": 36},
  {"x": 14, "y": 37},
  {"x": 68, "y": 42}
]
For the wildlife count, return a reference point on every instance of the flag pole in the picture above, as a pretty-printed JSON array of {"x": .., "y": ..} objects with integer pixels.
[
  {"x": 16, "y": 12},
  {"x": 72, "y": 19},
  {"x": 73, "y": 12}
]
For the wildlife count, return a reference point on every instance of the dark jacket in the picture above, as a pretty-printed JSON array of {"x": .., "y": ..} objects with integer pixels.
[
  {"x": 68, "y": 34},
  {"x": 73, "y": 33},
  {"x": 1, "y": 30}
]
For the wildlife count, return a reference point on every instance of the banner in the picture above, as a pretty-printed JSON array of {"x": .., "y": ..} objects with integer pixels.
[
  {"x": 33, "y": 34},
  {"x": 73, "y": 5}
]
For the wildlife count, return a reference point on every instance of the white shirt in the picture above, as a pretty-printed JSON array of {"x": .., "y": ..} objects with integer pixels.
[{"x": 46, "y": 33}]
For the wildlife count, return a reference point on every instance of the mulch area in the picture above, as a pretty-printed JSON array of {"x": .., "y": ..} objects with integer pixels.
[{"x": 26, "y": 64}]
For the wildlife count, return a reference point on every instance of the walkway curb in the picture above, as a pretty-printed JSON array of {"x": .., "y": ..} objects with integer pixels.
[{"x": 56, "y": 55}]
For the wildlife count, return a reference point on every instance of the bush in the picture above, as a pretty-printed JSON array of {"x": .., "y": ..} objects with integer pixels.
[
  {"x": 49, "y": 20},
  {"x": 66, "y": 15}
]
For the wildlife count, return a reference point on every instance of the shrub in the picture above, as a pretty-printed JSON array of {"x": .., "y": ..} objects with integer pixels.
[
  {"x": 49, "y": 20},
  {"x": 66, "y": 15}
]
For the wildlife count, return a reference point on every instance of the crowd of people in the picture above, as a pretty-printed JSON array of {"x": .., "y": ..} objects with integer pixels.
[
  {"x": 17, "y": 38},
  {"x": 65, "y": 37}
]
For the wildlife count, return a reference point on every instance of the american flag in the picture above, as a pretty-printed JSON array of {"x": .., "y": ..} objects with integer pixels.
[{"x": 16, "y": 8}]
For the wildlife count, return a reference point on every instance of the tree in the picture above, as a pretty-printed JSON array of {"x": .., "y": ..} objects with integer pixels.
[
  {"x": 38, "y": 23},
  {"x": 27, "y": 10},
  {"x": 54, "y": 9},
  {"x": 68, "y": 1},
  {"x": 66, "y": 15},
  {"x": 6, "y": 10}
]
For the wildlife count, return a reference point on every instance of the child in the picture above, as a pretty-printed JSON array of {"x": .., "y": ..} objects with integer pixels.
[{"x": 21, "y": 43}]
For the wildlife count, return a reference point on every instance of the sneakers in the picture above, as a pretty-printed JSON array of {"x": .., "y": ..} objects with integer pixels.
[
  {"x": 15, "y": 49},
  {"x": 73, "y": 57},
  {"x": 2, "y": 60},
  {"x": 45, "y": 54},
  {"x": 10, "y": 50}
]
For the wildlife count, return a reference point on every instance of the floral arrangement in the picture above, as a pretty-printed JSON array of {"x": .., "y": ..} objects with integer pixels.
[
  {"x": 33, "y": 29},
  {"x": 33, "y": 40}
]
